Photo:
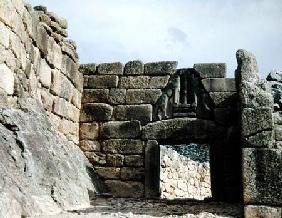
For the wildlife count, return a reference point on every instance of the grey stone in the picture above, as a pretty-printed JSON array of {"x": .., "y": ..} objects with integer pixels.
[
  {"x": 256, "y": 120},
  {"x": 42, "y": 172},
  {"x": 45, "y": 74},
  {"x": 278, "y": 133},
  {"x": 89, "y": 131},
  {"x": 61, "y": 21},
  {"x": 131, "y": 173},
  {"x": 7, "y": 79},
  {"x": 117, "y": 96},
  {"x": 260, "y": 139},
  {"x": 88, "y": 69},
  {"x": 252, "y": 211},
  {"x": 101, "y": 81},
  {"x": 277, "y": 117},
  {"x": 134, "y": 68},
  {"x": 247, "y": 69},
  {"x": 125, "y": 189},
  {"x": 224, "y": 99},
  {"x": 96, "y": 158},
  {"x": 207, "y": 70},
  {"x": 96, "y": 112},
  {"x": 219, "y": 85},
  {"x": 275, "y": 75},
  {"x": 111, "y": 68},
  {"x": 123, "y": 146},
  {"x": 160, "y": 68},
  {"x": 276, "y": 90},
  {"x": 143, "y": 113},
  {"x": 108, "y": 172},
  {"x": 40, "y": 8},
  {"x": 262, "y": 176},
  {"x": 142, "y": 96},
  {"x": 121, "y": 129},
  {"x": 95, "y": 96},
  {"x": 143, "y": 82},
  {"x": 89, "y": 145},
  {"x": 115, "y": 160},
  {"x": 134, "y": 160}
]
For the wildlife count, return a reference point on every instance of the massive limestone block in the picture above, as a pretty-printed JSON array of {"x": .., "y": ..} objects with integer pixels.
[
  {"x": 143, "y": 113},
  {"x": 95, "y": 96},
  {"x": 101, "y": 81},
  {"x": 211, "y": 70},
  {"x": 275, "y": 82},
  {"x": 143, "y": 82},
  {"x": 40, "y": 172},
  {"x": 89, "y": 131},
  {"x": 262, "y": 176},
  {"x": 96, "y": 112},
  {"x": 125, "y": 189},
  {"x": 123, "y": 146},
  {"x": 111, "y": 68},
  {"x": 252, "y": 211},
  {"x": 224, "y": 99},
  {"x": 160, "y": 68},
  {"x": 142, "y": 96},
  {"x": 134, "y": 68},
  {"x": 121, "y": 129},
  {"x": 131, "y": 173},
  {"x": 88, "y": 69},
  {"x": 117, "y": 96},
  {"x": 7, "y": 79},
  {"x": 219, "y": 85}
]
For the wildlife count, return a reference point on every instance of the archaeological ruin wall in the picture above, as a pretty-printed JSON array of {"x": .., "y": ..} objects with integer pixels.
[{"x": 129, "y": 111}]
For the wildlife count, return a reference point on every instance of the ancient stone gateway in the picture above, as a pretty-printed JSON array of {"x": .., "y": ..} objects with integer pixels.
[{"x": 128, "y": 112}]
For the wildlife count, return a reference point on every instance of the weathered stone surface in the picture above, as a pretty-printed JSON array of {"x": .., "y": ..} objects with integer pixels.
[
  {"x": 117, "y": 96},
  {"x": 108, "y": 172},
  {"x": 7, "y": 79},
  {"x": 252, "y": 211},
  {"x": 61, "y": 21},
  {"x": 247, "y": 69},
  {"x": 65, "y": 109},
  {"x": 134, "y": 160},
  {"x": 4, "y": 35},
  {"x": 61, "y": 86},
  {"x": 260, "y": 139},
  {"x": 123, "y": 146},
  {"x": 121, "y": 129},
  {"x": 144, "y": 82},
  {"x": 179, "y": 128},
  {"x": 256, "y": 120},
  {"x": 125, "y": 189},
  {"x": 262, "y": 176},
  {"x": 224, "y": 99},
  {"x": 219, "y": 85},
  {"x": 134, "y": 68},
  {"x": 278, "y": 133},
  {"x": 89, "y": 145},
  {"x": 130, "y": 173},
  {"x": 45, "y": 74},
  {"x": 275, "y": 75},
  {"x": 115, "y": 160},
  {"x": 277, "y": 117},
  {"x": 42, "y": 172},
  {"x": 96, "y": 112},
  {"x": 111, "y": 68},
  {"x": 88, "y": 69},
  {"x": 160, "y": 68},
  {"x": 143, "y": 113},
  {"x": 95, "y": 96},
  {"x": 96, "y": 158},
  {"x": 101, "y": 81},
  {"x": 207, "y": 70},
  {"x": 142, "y": 96},
  {"x": 89, "y": 131}
]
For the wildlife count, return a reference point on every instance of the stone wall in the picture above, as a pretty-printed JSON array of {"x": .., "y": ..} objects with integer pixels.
[
  {"x": 261, "y": 139},
  {"x": 38, "y": 60},
  {"x": 127, "y": 111},
  {"x": 185, "y": 172}
]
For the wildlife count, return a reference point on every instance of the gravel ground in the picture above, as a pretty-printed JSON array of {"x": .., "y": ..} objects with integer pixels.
[{"x": 121, "y": 207}]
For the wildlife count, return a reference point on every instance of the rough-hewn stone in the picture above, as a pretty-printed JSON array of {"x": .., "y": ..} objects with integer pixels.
[
  {"x": 207, "y": 70},
  {"x": 123, "y": 146},
  {"x": 134, "y": 68},
  {"x": 131, "y": 173},
  {"x": 45, "y": 74},
  {"x": 224, "y": 99},
  {"x": 125, "y": 189},
  {"x": 95, "y": 96},
  {"x": 117, "y": 96},
  {"x": 121, "y": 129},
  {"x": 134, "y": 160},
  {"x": 115, "y": 160},
  {"x": 142, "y": 96},
  {"x": 88, "y": 69},
  {"x": 96, "y": 111},
  {"x": 96, "y": 158},
  {"x": 143, "y": 82},
  {"x": 111, "y": 68},
  {"x": 252, "y": 211},
  {"x": 160, "y": 68},
  {"x": 143, "y": 113},
  {"x": 89, "y": 145},
  {"x": 108, "y": 172},
  {"x": 89, "y": 131},
  {"x": 101, "y": 81},
  {"x": 219, "y": 85},
  {"x": 7, "y": 79}
]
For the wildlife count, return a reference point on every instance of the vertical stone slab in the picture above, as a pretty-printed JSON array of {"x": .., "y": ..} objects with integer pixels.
[{"x": 152, "y": 169}]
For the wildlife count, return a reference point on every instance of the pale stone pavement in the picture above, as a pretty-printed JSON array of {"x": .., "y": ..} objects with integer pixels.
[{"x": 151, "y": 208}]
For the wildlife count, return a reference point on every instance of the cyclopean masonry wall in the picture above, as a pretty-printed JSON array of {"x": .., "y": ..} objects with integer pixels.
[
  {"x": 129, "y": 110},
  {"x": 261, "y": 138}
]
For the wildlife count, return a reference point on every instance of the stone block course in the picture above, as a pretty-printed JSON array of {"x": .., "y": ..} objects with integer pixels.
[
  {"x": 251, "y": 211},
  {"x": 115, "y": 160},
  {"x": 143, "y": 113},
  {"x": 142, "y": 96},
  {"x": 144, "y": 82},
  {"x": 125, "y": 188},
  {"x": 88, "y": 69},
  {"x": 160, "y": 68},
  {"x": 101, "y": 81},
  {"x": 108, "y": 172},
  {"x": 89, "y": 145},
  {"x": 123, "y": 146},
  {"x": 89, "y": 131},
  {"x": 96, "y": 158},
  {"x": 96, "y": 111},
  {"x": 131, "y": 173},
  {"x": 117, "y": 96},
  {"x": 224, "y": 99},
  {"x": 207, "y": 70},
  {"x": 121, "y": 130},
  {"x": 219, "y": 85},
  {"x": 95, "y": 96},
  {"x": 134, "y": 160},
  {"x": 134, "y": 68},
  {"x": 110, "y": 68}
]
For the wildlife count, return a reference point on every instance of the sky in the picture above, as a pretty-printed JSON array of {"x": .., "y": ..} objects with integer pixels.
[{"x": 188, "y": 31}]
